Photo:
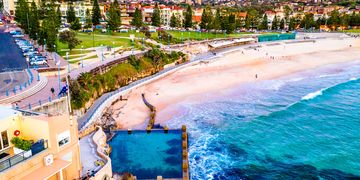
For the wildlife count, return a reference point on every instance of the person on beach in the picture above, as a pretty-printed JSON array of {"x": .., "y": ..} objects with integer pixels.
[{"x": 256, "y": 76}]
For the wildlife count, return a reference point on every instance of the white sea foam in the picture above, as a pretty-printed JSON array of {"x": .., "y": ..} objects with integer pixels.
[
  {"x": 313, "y": 94},
  {"x": 353, "y": 79}
]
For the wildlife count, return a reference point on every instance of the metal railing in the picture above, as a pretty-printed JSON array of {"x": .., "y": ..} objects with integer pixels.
[
  {"x": 18, "y": 158},
  {"x": 21, "y": 84}
]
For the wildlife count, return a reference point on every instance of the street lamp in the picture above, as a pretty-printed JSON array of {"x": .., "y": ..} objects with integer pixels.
[
  {"x": 45, "y": 46},
  {"x": 102, "y": 53},
  {"x": 82, "y": 57},
  {"x": 169, "y": 41},
  {"x": 58, "y": 64},
  {"x": 114, "y": 48},
  {"x": 67, "y": 59}
]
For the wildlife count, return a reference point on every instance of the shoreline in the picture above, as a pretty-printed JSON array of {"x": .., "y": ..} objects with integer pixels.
[{"x": 168, "y": 91}]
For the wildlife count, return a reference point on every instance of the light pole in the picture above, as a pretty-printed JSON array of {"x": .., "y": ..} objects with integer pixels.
[
  {"x": 114, "y": 48},
  {"x": 82, "y": 57},
  {"x": 160, "y": 40},
  {"x": 143, "y": 43},
  {"x": 67, "y": 59},
  {"x": 102, "y": 53},
  {"x": 169, "y": 41},
  {"x": 132, "y": 44},
  {"x": 37, "y": 40},
  {"x": 58, "y": 64},
  {"x": 45, "y": 47}
]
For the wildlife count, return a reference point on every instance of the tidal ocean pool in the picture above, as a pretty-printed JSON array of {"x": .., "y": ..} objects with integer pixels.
[{"x": 147, "y": 155}]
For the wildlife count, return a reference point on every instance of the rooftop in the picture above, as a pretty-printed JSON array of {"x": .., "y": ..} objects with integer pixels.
[{"x": 7, "y": 111}]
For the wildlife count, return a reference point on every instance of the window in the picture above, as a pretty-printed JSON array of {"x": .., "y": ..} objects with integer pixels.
[
  {"x": 63, "y": 138},
  {"x": 4, "y": 140}
]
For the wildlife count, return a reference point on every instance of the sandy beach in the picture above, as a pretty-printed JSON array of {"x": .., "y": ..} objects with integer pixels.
[{"x": 229, "y": 70}]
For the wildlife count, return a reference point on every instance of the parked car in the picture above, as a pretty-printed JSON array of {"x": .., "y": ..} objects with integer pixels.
[
  {"x": 123, "y": 30},
  {"x": 64, "y": 29},
  {"x": 87, "y": 30},
  {"x": 38, "y": 62}
]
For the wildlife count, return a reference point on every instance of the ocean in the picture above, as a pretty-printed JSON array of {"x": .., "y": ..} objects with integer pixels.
[{"x": 302, "y": 126}]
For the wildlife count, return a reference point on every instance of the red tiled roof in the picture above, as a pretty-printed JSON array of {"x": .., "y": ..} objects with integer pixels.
[
  {"x": 196, "y": 18},
  {"x": 242, "y": 14}
]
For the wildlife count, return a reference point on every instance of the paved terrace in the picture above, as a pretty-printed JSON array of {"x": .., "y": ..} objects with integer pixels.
[{"x": 76, "y": 72}]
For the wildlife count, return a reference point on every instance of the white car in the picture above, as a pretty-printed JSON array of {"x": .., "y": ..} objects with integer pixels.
[
  {"x": 64, "y": 29},
  {"x": 38, "y": 62}
]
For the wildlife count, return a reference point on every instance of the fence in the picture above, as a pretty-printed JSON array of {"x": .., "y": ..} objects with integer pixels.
[
  {"x": 36, "y": 148},
  {"x": 17, "y": 81},
  {"x": 40, "y": 102}
]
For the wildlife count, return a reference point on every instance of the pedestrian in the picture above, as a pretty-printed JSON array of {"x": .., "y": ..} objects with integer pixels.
[{"x": 256, "y": 76}]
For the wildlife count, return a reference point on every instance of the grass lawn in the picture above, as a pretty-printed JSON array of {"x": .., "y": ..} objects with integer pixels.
[
  {"x": 353, "y": 31},
  {"x": 202, "y": 35},
  {"x": 121, "y": 39},
  {"x": 88, "y": 41}
]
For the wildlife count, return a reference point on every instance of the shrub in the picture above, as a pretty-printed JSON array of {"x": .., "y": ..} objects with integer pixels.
[{"x": 21, "y": 143}]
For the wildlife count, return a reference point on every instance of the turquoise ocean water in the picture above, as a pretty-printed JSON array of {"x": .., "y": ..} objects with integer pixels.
[{"x": 303, "y": 126}]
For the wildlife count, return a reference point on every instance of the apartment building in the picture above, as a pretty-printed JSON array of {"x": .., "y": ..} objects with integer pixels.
[
  {"x": 10, "y": 5},
  {"x": 52, "y": 150}
]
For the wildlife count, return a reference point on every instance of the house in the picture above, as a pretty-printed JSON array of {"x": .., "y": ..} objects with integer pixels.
[{"x": 52, "y": 150}]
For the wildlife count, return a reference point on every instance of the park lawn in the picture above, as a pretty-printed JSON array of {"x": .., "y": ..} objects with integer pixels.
[
  {"x": 353, "y": 31},
  {"x": 88, "y": 40},
  {"x": 203, "y": 35}
]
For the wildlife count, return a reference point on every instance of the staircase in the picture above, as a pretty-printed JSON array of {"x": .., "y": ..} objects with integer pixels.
[{"x": 24, "y": 94}]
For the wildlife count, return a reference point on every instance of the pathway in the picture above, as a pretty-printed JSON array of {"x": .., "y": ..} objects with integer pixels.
[
  {"x": 76, "y": 72},
  {"x": 88, "y": 154}
]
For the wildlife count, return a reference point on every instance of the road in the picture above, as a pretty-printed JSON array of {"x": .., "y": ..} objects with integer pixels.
[{"x": 11, "y": 57}]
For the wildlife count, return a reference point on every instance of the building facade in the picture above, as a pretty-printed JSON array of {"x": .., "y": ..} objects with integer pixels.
[{"x": 54, "y": 151}]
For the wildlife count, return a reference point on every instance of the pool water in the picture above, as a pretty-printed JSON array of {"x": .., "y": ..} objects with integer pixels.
[{"x": 147, "y": 155}]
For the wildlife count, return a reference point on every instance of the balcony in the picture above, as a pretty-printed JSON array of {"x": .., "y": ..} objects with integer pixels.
[{"x": 11, "y": 157}]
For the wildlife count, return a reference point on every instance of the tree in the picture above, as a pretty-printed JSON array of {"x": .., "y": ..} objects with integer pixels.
[
  {"x": 251, "y": 19},
  {"x": 70, "y": 14},
  {"x": 287, "y": 12},
  {"x": 334, "y": 19},
  {"x": 345, "y": 20},
  {"x": 155, "y": 19},
  {"x": 308, "y": 21},
  {"x": 206, "y": 19},
  {"x": 275, "y": 23},
  {"x": 231, "y": 24},
  {"x": 188, "y": 17},
  {"x": 292, "y": 24},
  {"x": 58, "y": 17},
  {"x": 96, "y": 13},
  {"x": 114, "y": 17},
  {"x": 49, "y": 29},
  {"x": 217, "y": 21},
  {"x": 137, "y": 20},
  {"x": 22, "y": 15},
  {"x": 75, "y": 25},
  {"x": 69, "y": 38},
  {"x": 264, "y": 23},
  {"x": 174, "y": 21},
  {"x": 282, "y": 24},
  {"x": 88, "y": 22},
  {"x": 34, "y": 26}
]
